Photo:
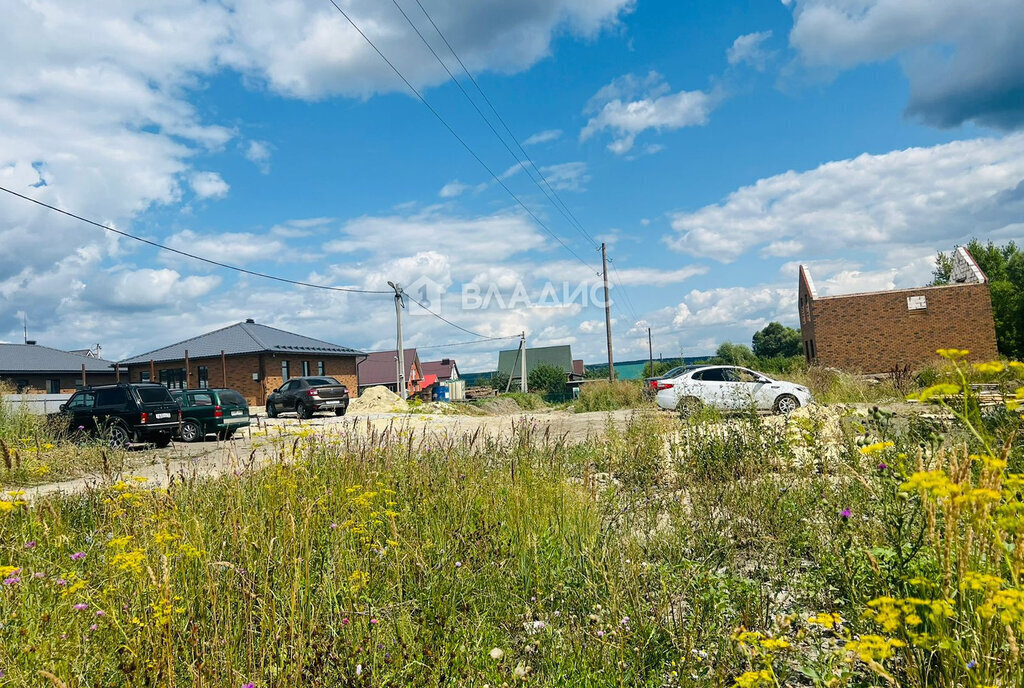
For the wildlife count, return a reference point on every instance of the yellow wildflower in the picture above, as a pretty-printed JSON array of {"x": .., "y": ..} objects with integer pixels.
[
  {"x": 874, "y": 648},
  {"x": 754, "y": 679},
  {"x": 129, "y": 561},
  {"x": 943, "y": 389},
  {"x": 876, "y": 448},
  {"x": 935, "y": 484},
  {"x": 357, "y": 581},
  {"x": 953, "y": 354},
  {"x": 825, "y": 620},
  {"x": 121, "y": 542},
  {"x": 989, "y": 367}
]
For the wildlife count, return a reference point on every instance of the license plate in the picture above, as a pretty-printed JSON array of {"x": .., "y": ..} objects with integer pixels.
[
  {"x": 236, "y": 413},
  {"x": 331, "y": 403},
  {"x": 162, "y": 416}
]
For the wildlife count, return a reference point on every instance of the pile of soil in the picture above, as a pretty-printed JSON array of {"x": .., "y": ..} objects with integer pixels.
[{"x": 377, "y": 400}]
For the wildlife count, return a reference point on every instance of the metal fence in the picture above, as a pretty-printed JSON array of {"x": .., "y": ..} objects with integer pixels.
[{"x": 38, "y": 404}]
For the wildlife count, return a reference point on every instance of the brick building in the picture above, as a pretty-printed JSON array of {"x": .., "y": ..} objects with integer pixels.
[
  {"x": 877, "y": 332},
  {"x": 251, "y": 358}
]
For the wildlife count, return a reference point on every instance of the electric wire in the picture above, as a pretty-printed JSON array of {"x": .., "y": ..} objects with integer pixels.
[
  {"x": 480, "y": 90},
  {"x": 209, "y": 261},
  {"x": 625, "y": 295},
  {"x": 522, "y": 163},
  {"x": 458, "y": 138}
]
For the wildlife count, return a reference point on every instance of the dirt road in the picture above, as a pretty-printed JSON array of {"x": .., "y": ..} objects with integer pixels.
[{"x": 256, "y": 446}]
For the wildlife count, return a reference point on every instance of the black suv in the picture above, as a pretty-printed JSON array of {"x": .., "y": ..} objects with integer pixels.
[
  {"x": 123, "y": 413},
  {"x": 307, "y": 395}
]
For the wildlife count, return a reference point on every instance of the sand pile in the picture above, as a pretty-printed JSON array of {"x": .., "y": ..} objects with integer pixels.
[{"x": 377, "y": 400}]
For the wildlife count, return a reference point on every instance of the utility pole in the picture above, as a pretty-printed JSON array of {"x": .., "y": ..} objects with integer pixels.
[
  {"x": 522, "y": 364},
  {"x": 402, "y": 391},
  {"x": 607, "y": 312},
  {"x": 650, "y": 351}
]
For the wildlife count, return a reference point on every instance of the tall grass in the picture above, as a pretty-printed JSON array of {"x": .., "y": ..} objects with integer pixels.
[
  {"x": 609, "y": 396},
  {"x": 743, "y": 551}
]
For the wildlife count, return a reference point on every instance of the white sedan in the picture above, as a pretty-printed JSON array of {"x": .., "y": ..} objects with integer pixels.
[{"x": 729, "y": 388}]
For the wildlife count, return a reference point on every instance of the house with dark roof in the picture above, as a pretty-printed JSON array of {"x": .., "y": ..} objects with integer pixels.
[
  {"x": 251, "y": 358},
  {"x": 444, "y": 370},
  {"x": 35, "y": 369},
  {"x": 380, "y": 368}
]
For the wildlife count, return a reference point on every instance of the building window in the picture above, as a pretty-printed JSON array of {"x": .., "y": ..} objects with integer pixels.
[
  {"x": 319, "y": 367},
  {"x": 53, "y": 386},
  {"x": 807, "y": 351},
  {"x": 814, "y": 354},
  {"x": 22, "y": 385},
  {"x": 284, "y": 370},
  {"x": 173, "y": 378},
  {"x": 144, "y": 376},
  {"x": 305, "y": 369},
  {"x": 916, "y": 303},
  {"x": 204, "y": 377}
]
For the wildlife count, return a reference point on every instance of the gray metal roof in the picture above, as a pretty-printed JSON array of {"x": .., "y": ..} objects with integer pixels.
[
  {"x": 32, "y": 358},
  {"x": 244, "y": 338}
]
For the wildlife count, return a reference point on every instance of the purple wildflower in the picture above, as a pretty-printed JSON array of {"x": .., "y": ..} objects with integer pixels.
[
  {"x": 374, "y": 622},
  {"x": 600, "y": 634},
  {"x": 971, "y": 664},
  {"x": 30, "y": 544},
  {"x": 77, "y": 555},
  {"x": 39, "y": 574},
  {"x": 334, "y": 526},
  {"x": 845, "y": 514},
  {"x": 883, "y": 466},
  {"x": 61, "y": 582},
  {"x": 13, "y": 580},
  {"x": 250, "y": 684},
  {"x": 80, "y": 607},
  {"x": 93, "y": 627}
]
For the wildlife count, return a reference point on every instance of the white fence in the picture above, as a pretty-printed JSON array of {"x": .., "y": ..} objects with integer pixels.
[{"x": 39, "y": 404}]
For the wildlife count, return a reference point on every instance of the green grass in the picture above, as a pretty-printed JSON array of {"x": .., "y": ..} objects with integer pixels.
[
  {"x": 609, "y": 396},
  {"x": 633, "y": 558}
]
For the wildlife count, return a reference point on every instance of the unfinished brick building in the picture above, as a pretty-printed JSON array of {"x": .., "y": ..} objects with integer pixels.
[{"x": 877, "y": 332}]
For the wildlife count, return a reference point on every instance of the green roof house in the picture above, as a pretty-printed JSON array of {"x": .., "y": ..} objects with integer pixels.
[{"x": 558, "y": 356}]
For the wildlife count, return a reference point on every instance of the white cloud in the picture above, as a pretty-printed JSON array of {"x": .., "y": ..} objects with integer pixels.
[
  {"x": 656, "y": 277},
  {"x": 258, "y": 153},
  {"x": 749, "y": 49},
  {"x": 630, "y": 105},
  {"x": 209, "y": 185},
  {"x": 919, "y": 197},
  {"x": 238, "y": 248},
  {"x": 964, "y": 59},
  {"x": 567, "y": 176},
  {"x": 543, "y": 137},
  {"x": 453, "y": 189}
]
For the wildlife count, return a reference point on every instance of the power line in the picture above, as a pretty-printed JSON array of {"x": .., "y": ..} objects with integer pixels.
[
  {"x": 458, "y": 138},
  {"x": 454, "y": 344},
  {"x": 625, "y": 295},
  {"x": 190, "y": 255},
  {"x": 455, "y": 325},
  {"x": 480, "y": 90},
  {"x": 522, "y": 163}
]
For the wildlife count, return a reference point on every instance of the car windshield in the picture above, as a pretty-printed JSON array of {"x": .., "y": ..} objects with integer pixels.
[
  {"x": 321, "y": 381},
  {"x": 153, "y": 395}
]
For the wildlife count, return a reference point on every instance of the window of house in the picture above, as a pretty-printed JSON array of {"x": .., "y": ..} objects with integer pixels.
[
  {"x": 204, "y": 377},
  {"x": 173, "y": 378},
  {"x": 814, "y": 354},
  {"x": 53, "y": 386},
  {"x": 284, "y": 370},
  {"x": 305, "y": 369},
  {"x": 320, "y": 368},
  {"x": 22, "y": 385},
  {"x": 807, "y": 351},
  {"x": 144, "y": 376}
]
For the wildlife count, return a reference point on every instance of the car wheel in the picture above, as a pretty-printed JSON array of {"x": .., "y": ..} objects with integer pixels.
[
  {"x": 118, "y": 436},
  {"x": 688, "y": 406},
  {"x": 271, "y": 410},
  {"x": 191, "y": 432},
  {"x": 786, "y": 404},
  {"x": 303, "y": 411},
  {"x": 162, "y": 441},
  {"x": 340, "y": 411}
]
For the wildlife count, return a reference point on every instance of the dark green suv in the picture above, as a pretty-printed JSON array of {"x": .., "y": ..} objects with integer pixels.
[{"x": 205, "y": 412}]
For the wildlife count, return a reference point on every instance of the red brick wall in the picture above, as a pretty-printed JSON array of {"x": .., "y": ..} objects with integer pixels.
[
  {"x": 874, "y": 333},
  {"x": 240, "y": 370}
]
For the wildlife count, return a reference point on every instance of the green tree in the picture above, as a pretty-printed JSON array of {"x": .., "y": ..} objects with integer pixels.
[
  {"x": 777, "y": 340},
  {"x": 735, "y": 354},
  {"x": 660, "y": 368},
  {"x": 1004, "y": 267},
  {"x": 547, "y": 378},
  {"x": 499, "y": 381}
]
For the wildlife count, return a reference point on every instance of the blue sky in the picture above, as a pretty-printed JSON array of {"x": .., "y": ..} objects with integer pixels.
[{"x": 713, "y": 146}]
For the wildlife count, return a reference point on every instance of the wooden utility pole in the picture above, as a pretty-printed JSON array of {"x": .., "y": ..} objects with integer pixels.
[
  {"x": 522, "y": 367},
  {"x": 188, "y": 370},
  {"x": 85, "y": 382},
  {"x": 403, "y": 390},
  {"x": 224, "y": 367},
  {"x": 607, "y": 312}
]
